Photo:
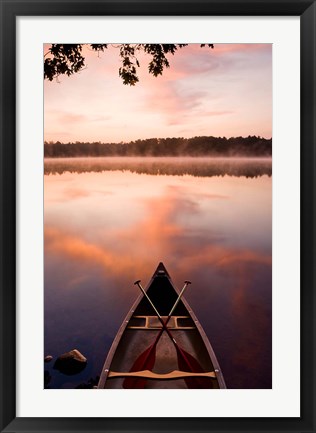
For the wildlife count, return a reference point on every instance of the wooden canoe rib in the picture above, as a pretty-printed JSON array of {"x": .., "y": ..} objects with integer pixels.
[{"x": 138, "y": 332}]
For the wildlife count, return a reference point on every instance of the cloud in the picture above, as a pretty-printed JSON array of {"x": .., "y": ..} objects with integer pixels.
[
  {"x": 242, "y": 48},
  {"x": 223, "y": 62},
  {"x": 218, "y": 113},
  {"x": 188, "y": 93},
  {"x": 99, "y": 118},
  {"x": 72, "y": 118},
  {"x": 69, "y": 118},
  {"x": 174, "y": 101},
  {"x": 196, "y": 94},
  {"x": 57, "y": 134}
]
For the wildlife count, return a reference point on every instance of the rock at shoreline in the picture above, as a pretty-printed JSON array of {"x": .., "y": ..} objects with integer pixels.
[
  {"x": 70, "y": 363},
  {"x": 48, "y": 358}
]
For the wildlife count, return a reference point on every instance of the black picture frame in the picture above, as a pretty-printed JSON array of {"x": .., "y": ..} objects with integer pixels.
[{"x": 10, "y": 9}]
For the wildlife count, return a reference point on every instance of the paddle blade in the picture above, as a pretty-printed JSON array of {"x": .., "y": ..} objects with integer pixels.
[
  {"x": 145, "y": 361},
  {"x": 187, "y": 362}
]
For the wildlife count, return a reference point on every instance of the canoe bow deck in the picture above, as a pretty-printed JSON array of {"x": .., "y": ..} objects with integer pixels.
[{"x": 138, "y": 333}]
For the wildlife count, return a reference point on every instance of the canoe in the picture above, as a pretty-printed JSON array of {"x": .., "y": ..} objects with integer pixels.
[{"x": 181, "y": 358}]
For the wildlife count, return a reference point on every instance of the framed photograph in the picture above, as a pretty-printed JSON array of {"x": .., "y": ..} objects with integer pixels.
[{"x": 157, "y": 216}]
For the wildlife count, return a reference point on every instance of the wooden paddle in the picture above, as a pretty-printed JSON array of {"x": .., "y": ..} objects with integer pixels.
[
  {"x": 146, "y": 359},
  {"x": 186, "y": 361}
]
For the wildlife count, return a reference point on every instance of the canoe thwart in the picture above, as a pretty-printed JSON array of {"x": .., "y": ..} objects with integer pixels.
[
  {"x": 146, "y": 374},
  {"x": 152, "y": 322}
]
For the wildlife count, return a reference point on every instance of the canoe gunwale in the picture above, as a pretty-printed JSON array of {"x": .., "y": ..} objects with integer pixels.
[
  {"x": 207, "y": 344},
  {"x": 116, "y": 341}
]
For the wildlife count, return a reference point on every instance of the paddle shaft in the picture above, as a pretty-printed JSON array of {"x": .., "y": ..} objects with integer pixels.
[
  {"x": 164, "y": 324},
  {"x": 186, "y": 283},
  {"x": 189, "y": 362},
  {"x": 147, "y": 359}
]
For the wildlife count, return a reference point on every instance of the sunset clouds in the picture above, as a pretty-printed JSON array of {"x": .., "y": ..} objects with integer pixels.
[{"x": 225, "y": 91}]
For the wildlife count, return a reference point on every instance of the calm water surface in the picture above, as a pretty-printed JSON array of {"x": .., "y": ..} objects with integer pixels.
[{"x": 110, "y": 221}]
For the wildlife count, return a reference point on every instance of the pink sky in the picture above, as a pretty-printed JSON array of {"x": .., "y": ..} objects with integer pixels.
[{"x": 226, "y": 91}]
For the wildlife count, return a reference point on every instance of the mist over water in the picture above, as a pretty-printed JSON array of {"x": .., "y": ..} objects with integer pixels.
[
  {"x": 110, "y": 221},
  {"x": 194, "y": 166}
]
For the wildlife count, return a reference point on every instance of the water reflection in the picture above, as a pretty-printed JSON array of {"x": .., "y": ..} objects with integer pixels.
[
  {"x": 201, "y": 167},
  {"x": 104, "y": 230}
]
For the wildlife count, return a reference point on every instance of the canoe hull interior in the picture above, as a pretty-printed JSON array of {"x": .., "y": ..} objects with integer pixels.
[
  {"x": 139, "y": 331},
  {"x": 134, "y": 343}
]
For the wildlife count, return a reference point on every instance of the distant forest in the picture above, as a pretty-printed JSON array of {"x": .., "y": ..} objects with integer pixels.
[{"x": 196, "y": 146}]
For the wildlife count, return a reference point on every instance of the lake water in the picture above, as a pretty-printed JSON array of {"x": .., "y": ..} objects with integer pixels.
[{"x": 110, "y": 221}]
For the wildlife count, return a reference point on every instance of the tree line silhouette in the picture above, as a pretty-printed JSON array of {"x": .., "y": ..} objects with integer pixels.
[{"x": 175, "y": 146}]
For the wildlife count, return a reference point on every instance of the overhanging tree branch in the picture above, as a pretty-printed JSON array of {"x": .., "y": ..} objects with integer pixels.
[{"x": 67, "y": 59}]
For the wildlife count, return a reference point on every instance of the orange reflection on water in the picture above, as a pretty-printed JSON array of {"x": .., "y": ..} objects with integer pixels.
[
  {"x": 125, "y": 221},
  {"x": 77, "y": 249}
]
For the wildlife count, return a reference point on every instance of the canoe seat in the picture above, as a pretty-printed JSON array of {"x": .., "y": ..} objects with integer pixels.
[{"x": 147, "y": 374}]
